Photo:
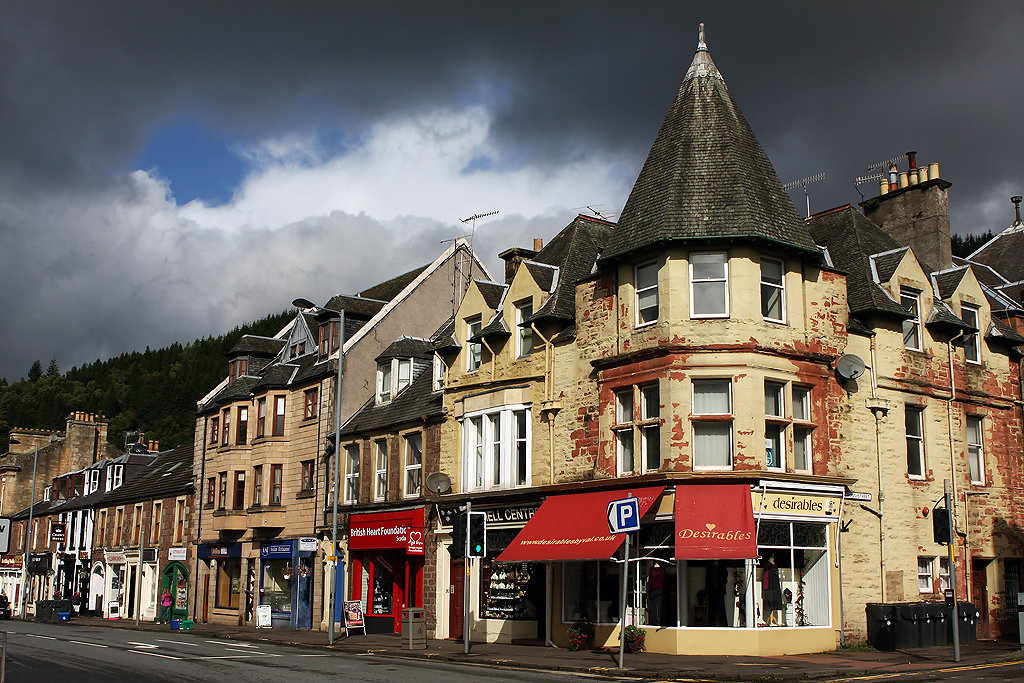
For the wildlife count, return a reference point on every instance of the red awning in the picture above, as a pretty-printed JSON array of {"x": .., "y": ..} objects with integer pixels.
[
  {"x": 574, "y": 527},
  {"x": 715, "y": 522}
]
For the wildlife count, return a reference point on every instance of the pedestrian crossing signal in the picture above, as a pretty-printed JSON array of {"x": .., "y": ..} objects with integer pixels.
[{"x": 940, "y": 525}]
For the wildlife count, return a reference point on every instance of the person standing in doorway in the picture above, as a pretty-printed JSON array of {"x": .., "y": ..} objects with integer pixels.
[{"x": 165, "y": 606}]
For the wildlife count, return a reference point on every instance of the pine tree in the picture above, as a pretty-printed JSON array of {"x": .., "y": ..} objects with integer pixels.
[
  {"x": 35, "y": 372},
  {"x": 54, "y": 369}
]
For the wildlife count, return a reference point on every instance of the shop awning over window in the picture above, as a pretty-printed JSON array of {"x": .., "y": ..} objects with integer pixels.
[
  {"x": 715, "y": 522},
  {"x": 575, "y": 527}
]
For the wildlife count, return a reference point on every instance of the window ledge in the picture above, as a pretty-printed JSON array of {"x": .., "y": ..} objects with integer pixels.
[{"x": 308, "y": 493}]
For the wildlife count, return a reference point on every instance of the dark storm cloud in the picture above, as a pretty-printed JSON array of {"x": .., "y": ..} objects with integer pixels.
[{"x": 83, "y": 86}]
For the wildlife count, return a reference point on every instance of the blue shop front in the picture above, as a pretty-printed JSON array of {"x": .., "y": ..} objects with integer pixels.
[{"x": 286, "y": 581}]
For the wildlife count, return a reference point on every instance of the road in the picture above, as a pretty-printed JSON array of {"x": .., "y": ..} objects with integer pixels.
[{"x": 54, "y": 653}]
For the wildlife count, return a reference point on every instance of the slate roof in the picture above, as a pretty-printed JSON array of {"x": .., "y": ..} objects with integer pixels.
[
  {"x": 495, "y": 328},
  {"x": 251, "y": 345},
  {"x": 851, "y": 239},
  {"x": 706, "y": 176},
  {"x": 386, "y": 291},
  {"x": 1006, "y": 297},
  {"x": 984, "y": 273},
  {"x": 946, "y": 281},
  {"x": 1003, "y": 253},
  {"x": 574, "y": 250},
  {"x": 416, "y": 402},
  {"x": 942, "y": 315},
  {"x": 886, "y": 263},
  {"x": 542, "y": 273},
  {"x": 444, "y": 338},
  {"x": 1000, "y": 331},
  {"x": 407, "y": 347},
  {"x": 492, "y": 293},
  {"x": 354, "y": 305},
  {"x": 170, "y": 474}
]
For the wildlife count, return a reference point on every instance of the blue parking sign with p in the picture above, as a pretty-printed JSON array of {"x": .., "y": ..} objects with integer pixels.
[{"x": 624, "y": 516}]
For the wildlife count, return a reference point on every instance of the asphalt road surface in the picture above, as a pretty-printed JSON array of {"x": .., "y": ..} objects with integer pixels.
[{"x": 59, "y": 653}]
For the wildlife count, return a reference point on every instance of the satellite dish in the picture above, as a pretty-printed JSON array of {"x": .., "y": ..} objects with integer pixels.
[
  {"x": 438, "y": 482},
  {"x": 850, "y": 366}
]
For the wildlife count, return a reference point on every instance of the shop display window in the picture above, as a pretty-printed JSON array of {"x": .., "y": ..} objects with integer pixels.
[
  {"x": 229, "y": 579},
  {"x": 277, "y": 585},
  {"x": 383, "y": 586},
  {"x": 792, "y": 579},
  {"x": 591, "y": 591},
  {"x": 505, "y": 590}
]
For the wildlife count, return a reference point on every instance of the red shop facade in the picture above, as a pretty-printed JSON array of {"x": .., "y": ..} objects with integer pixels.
[{"x": 385, "y": 570}]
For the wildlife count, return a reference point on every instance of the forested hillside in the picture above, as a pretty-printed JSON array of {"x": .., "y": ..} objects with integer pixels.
[{"x": 151, "y": 391}]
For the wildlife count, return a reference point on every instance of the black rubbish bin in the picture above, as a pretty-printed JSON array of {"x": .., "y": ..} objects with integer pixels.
[
  {"x": 881, "y": 625},
  {"x": 906, "y": 626},
  {"x": 64, "y": 607},
  {"x": 44, "y": 610},
  {"x": 923, "y": 612},
  {"x": 940, "y": 623},
  {"x": 968, "y": 622}
]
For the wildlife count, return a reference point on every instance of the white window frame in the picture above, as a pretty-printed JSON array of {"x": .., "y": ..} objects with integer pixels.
[
  {"x": 911, "y": 301},
  {"x": 695, "y": 424},
  {"x": 94, "y": 481},
  {"x": 380, "y": 479},
  {"x": 779, "y": 288},
  {"x": 640, "y": 430},
  {"x": 413, "y": 469},
  {"x": 353, "y": 463},
  {"x": 773, "y": 422},
  {"x": 944, "y": 584},
  {"x": 972, "y": 340},
  {"x": 438, "y": 370},
  {"x": 646, "y": 291},
  {"x": 489, "y": 464},
  {"x": 474, "y": 350},
  {"x": 803, "y": 428},
  {"x": 724, "y": 280},
  {"x": 392, "y": 376},
  {"x": 925, "y": 579},
  {"x": 975, "y": 448},
  {"x": 524, "y": 333},
  {"x": 915, "y": 440}
]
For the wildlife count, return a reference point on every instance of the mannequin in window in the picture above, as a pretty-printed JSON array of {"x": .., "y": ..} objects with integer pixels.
[
  {"x": 715, "y": 581},
  {"x": 771, "y": 592},
  {"x": 655, "y": 593}
]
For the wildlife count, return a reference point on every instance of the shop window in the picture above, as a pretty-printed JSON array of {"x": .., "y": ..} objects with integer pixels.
[
  {"x": 473, "y": 349},
  {"x": 773, "y": 290},
  {"x": 257, "y": 486},
  {"x": 924, "y": 574},
  {"x": 238, "y": 501},
  {"x": 792, "y": 581},
  {"x": 352, "y": 462},
  {"x": 914, "y": 419},
  {"x": 306, "y": 482},
  {"x": 229, "y": 583},
  {"x": 972, "y": 340},
  {"x": 276, "y": 483},
  {"x": 279, "y": 415},
  {"x": 277, "y": 586},
  {"x": 591, "y": 591},
  {"x": 261, "y": 417},
  {"x": 496, "y": 448},
  {"x": 524, "y": 333},
  {"x": 309, "y": 404},
  {"x": 383, "y": 585},
  {"x": 511, "y": 591},
  {"x": 712, "y": 424},
  {"x": 975, "y": 451},
  {"x": 911, "y": 301},
  {"x": 646, "y": 275},
  {"x": 242, "y": 437},
  {"x": 413, "y": 464},
  {"x": 226, "y": 420},
  {"x": 709, "y": 285},
  {"x": 380, "y": 487}
]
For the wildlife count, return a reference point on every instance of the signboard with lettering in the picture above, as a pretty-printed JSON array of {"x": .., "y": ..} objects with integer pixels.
[
  {"x": 177, "y": 554},
  {"x": 276, "y": 550},
  {"x": 354, "y": 616},
  {"x": 307, "y": 545},
  {"x": 414, "y": 542},
  {"x": 58, "y": 532},
  {"x": 11, "y": 562},
  {"x": 383, "y": 530},
  {"x": 114, "y": 558},
  {"x": 263, "y": 616},
  {"x": 795, "y": 504}
]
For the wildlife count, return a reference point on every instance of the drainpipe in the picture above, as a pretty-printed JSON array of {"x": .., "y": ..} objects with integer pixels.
[
  {"x": 952, "y": 457},
  {"x": 201, "y": 500},
  {"x": 483, "y": 340},
  {"x": 548, "y": 389},
  {"x": 878, "y": 411}
]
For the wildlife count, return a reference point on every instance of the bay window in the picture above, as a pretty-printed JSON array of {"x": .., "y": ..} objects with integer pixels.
[{"x": 496, "y": 448}]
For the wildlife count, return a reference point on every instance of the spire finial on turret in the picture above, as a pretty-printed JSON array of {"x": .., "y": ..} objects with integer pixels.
[{"x": 702, "y": 64}]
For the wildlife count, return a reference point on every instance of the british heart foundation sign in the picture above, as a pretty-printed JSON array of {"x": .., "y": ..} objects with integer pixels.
[
  {"x": 414, "y": 542},
  {"x": 384, "y": 530},
  {"x": 714, "y": 522}
]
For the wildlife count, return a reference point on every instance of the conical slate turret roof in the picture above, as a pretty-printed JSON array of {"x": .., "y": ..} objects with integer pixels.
[{"x": 706, "y": 176}]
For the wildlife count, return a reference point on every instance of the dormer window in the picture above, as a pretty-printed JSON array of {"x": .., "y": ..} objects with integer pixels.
[
  {"x": 392, "y": 376},
  {"x": 297, "y": 349},
  {"x": 94, "y": 481},
  {"x": 911, "y": 301},
  {"x": 46, "y": 493},
  {"x": 438, "y": 370},
  {"x": 330, "y": 337},
  {"x": 524, "y": 333},
  {"x": 77, "y": 485},
  {"x": 237, "y": 368},
  {"x": 473, "y": 349}
]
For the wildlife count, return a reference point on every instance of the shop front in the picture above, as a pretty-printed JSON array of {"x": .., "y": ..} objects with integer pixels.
[
  {"x": 386, "y": 552},
  {"x": 223, "y": 595},
  {"x": 755, "y": 561},
  {"x": 286, "y": 581},
  {"x": 116, "y": 593},
  {"x": 10, "y": 578},
  {"x": 175, "y": 579}
]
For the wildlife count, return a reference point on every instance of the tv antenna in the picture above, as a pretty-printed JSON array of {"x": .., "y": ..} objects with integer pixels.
[
  {"x": 596, "y": 209},
  {"x": 860, "y": 180},
  {"x": 463, "y": 273},
  {"x": 887, "y": 163},
  {"x": 804, "y": 183}
]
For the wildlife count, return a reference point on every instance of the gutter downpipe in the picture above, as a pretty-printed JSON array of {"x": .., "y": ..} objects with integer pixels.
[
  {"x": 549, "y": 584},
  {"x": 199, "y": 524},
  {"x": 881, "y": 489}
]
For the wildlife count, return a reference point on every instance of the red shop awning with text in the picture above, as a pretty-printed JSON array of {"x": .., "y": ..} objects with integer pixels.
[
  {"x": 574, "y": 527},
  {"x": 715, "y": 522}
]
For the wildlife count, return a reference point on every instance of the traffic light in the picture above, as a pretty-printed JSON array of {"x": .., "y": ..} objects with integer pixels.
[
  {"x": 458, "y": 547},
  {"x": 940, "y": 525},
  {"x": 477, "y": 534}
]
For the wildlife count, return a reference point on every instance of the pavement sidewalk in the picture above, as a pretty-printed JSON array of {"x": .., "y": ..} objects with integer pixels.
[{"x": 645, "y": 665}]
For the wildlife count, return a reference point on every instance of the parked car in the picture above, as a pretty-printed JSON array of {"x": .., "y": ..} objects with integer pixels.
[{"x": 5, "y": 608}]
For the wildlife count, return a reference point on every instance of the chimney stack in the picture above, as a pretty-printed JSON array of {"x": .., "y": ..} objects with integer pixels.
[
  {"x": 1016, "y": 207},
  {"x": 538, "y": 243}
]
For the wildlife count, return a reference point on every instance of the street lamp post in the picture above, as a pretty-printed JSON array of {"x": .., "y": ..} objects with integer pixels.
[
  {"x": 332, "y": 607},
  {"x": 28, "y": 531}
]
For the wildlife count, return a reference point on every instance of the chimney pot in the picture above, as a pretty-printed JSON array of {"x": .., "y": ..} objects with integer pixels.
[
  {"x": 538, "y": 243},
  {"x": 912, "y": 159},
  {"x": 1016, "y": 207}
]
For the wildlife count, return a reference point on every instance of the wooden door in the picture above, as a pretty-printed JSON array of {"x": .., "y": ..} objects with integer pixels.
[
  {"x": 457, "y": 600},
  {"x": 979, "y": 591}
]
